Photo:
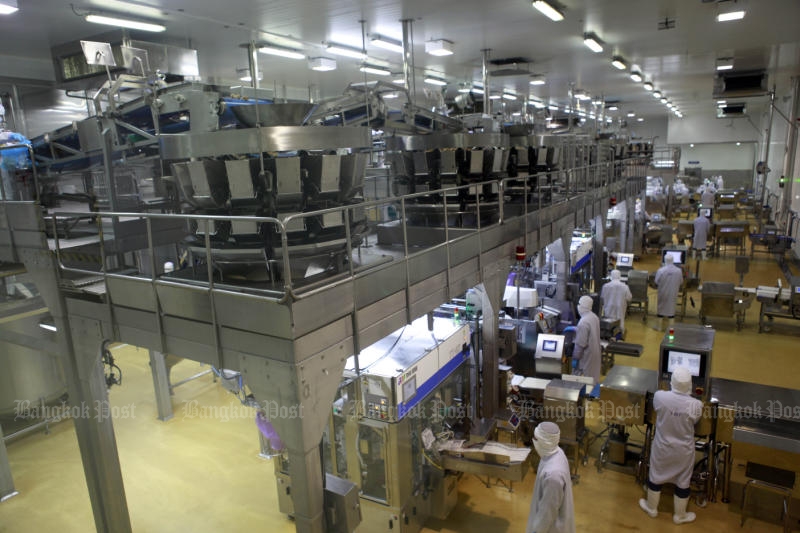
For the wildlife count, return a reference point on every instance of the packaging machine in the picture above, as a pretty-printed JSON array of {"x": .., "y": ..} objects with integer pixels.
[{"x": 778, "y": 302}]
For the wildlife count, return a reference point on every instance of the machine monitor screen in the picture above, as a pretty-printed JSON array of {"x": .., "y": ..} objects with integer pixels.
[
  {"x": 797, "y": 290},
  {"x": 625, "y": 259},
  {"x": 409, "y": 388},
  {"x": 549, "y": 346},
  {"x": 690, "y": 361},
  {"x": 705, "y": 212},
  {"x": 678, "y": 256}
]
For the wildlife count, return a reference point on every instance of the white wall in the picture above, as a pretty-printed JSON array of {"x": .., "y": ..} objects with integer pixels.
[
  {"x": 649, "y": 129},
  {"x": 27, "y": 68},
  {"x": 706, "y": 127},
  {"x": 719, "y": 156}
]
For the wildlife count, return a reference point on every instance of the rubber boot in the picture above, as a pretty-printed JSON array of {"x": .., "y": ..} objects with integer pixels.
[
  {"x": 694, "y": 253},
  {"x": 703, "y": 255},
  {"x": 671, "y": 322},
  {"x": 681, "y": 516},
  {"x": 650, "y": 505}
]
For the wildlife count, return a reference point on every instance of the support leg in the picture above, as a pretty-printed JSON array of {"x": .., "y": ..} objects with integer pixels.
[
  {"x": 6, "y": 481},
  {"x": 158, "y": 367},
  {"x": 305, "y": 469}
]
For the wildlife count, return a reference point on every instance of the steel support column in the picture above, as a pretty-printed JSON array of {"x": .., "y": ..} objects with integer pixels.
[
  {"x": 7, "y": 489},
  {"x": 158, "y": 367}
]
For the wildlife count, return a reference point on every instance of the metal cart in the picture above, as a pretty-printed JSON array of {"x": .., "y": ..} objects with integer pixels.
[
  {"x": 720, "y": 300},
  {"x": 637, "y": 283}
]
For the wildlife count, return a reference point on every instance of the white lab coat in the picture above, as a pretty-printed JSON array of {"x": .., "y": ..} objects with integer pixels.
[
  {"x": 552, "y": 510},
  {"x": 668, "y": 279},
  {"x": 672, "y": 454},
  {"x": 588, "y": 350},
  {"x": 615, "y": 296},
  {"x": 701, "y": 228},
  {"x": 707, "y": 198}
]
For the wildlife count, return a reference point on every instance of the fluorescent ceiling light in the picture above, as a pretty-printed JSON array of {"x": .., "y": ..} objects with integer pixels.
[
  {"x": 730, "y": 15},
  {"x": 581, "y": 95},
  {"x": 538, "y": 105},
  {"x": 612, "y": 108},
  {"x": 509, "y": 96},
  {"x": 477, "y": 89},
  {"x": 597, "y": 101},
  {"x": 494, "y": 97},
  {"x": 537, "y": 79},
  {"x": 389, "y": 95},
  {"x": 372, "y": 69},
  {"x": 8, "y": 6},
  {"x": 664, "y": 100},
  {"x": 619, "y": 63},
  {"x": 439, "y": 47},
  {"x": 631, "y": 114},
  {"x": 725, "y": 63},
  {"x": 591, "y": 115},
  {"x": 657, "y": 94},
  {"x": 464, "y": 90},
  {"x": 516, "y": 114},
  {"x": 679, "y": 114},
  {"x": 435, "y": 81},
  {"x": 553, "y": 107},
  {"x": 593, "y": 42},
  {"x": 636, "y": 76},
  {"x": 386, "y": 43},
  {"x": 322, "y": 64},
  {"x": 609, "y": 120},
  {"x": 640, "y": 119},
  {"x": 346, "y": 51},
  {"x": 248, "y": 78},
  {"x": 722, "y": 104},
  {"x": 45, "y": 325},
  {"x": 399, "y": 78},
  {"x": 281, "y": 52},
  {"x": 124, "y": 23},
  {"x": 648, "y": 86},
  {"x": 548, "y": 10}
]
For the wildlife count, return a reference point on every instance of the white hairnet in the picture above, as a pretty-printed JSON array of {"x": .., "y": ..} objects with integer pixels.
[
  {"x": 545, "y": 438},
  {"x": 669, "y": 259},
  {"x": 616, "y": 275},
  {"x": 681, "y": 380},
  {"x": 585, "y": 304}
]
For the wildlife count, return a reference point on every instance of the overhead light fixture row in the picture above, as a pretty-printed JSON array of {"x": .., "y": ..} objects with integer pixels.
[
  {"x": 374, "y": 69},
  {"x": 439, "y": 47},
  {"x": 657, "y": 94},
  {"x": 593, "y": 42},
  {"x": 8, "y": 7},
  {"x": 347, "y": 51},
  {"x": 435, "y": 81},
  {"x": 730, "y": 15},
  {"x": 124, "y": 23},
  {"x": 725, "y": 63},
  {"x": 663, "y": 100},
  {"x": 547, "y": 9},
  {"x": 648, "y": 86},
  {"x": 537, "y": 79},
  {"x": 636, "y": 76},
  {"x": 619, "y": 63},
  {"x": 281, "y": 52},
  {"x": 386, "y": 43},
  {"x": 322, "y": 64}
]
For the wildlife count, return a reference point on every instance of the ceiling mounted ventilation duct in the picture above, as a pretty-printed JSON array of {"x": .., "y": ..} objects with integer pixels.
[
  {"x": 510, "y": 66},
  {"x": 740, "y": 84},
  {"x": 731, "y": 111}
]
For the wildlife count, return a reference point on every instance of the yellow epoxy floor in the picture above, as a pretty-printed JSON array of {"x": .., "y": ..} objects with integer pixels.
[{"x": 200, "y": 471}]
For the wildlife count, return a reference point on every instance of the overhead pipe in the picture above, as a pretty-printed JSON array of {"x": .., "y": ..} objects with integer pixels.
[
  {"x": 408, "y": 59},
  {"x": 487, "y": 102},
  {"x": 791, "y": 152}
]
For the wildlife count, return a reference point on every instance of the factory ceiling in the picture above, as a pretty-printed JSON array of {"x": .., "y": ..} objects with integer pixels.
[{"x": 675, "y": 44}]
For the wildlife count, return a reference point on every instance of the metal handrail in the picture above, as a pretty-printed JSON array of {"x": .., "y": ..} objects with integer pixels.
[{"x": 591, "y": 182}]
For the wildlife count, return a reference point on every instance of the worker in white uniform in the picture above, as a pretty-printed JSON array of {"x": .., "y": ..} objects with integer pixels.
[
  {"x": 551, "y": 507},
  {"x": 708, "y": 196},
  {"x": 669, "y": 279},
  {"x": 702, "y": 226},
  {"x": 615, "y": 297},
  {"x": 672, "y": 454},
  {"x": 588, "y": 350}
]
